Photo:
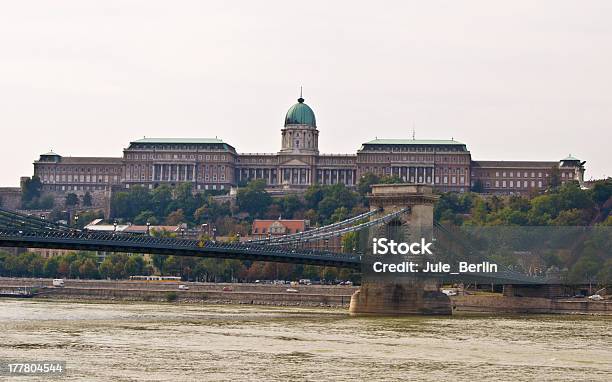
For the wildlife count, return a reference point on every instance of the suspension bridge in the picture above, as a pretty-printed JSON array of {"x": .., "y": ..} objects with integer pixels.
[
  {"x": 19, "y": 230},
  {"x": 401, "y": 210}
]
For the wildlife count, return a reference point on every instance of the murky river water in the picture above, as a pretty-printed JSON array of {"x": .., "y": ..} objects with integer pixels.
[{"x": 159, "y": 342}]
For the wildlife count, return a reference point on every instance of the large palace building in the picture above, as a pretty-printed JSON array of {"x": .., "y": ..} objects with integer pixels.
[{"x": 211, "y": 164}]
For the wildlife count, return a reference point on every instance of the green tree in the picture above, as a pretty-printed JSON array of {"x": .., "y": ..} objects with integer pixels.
[
  {"x": 87, "y": 201},
  {"x": 554, "y": 180},
  {"x": 51, "y": 267},
  {"x": 31, "y": 190},
  {"x": 290, "y": 205},
  {"x": 158, "y": 262},
  {"x": 134, "y": 266},
  {"x": 46, "y": 202},
  {"x": 87, "y": 217},
  {"x": 161, "y": 197},
  {"x": 145, "y": 217},
  {"x": 88, "y": 269},
  {"x": 71, "y": 200},
  {"x": 313, "y": 195},
  {"x": 364, "y": 185},
  {"x": 175, "y": 217},
  {"x": 253, "y": 198},
  {"x": 340, "y": 214}
]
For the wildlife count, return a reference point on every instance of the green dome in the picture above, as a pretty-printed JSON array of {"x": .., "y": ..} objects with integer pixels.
[{"x": 300, "y": 114}]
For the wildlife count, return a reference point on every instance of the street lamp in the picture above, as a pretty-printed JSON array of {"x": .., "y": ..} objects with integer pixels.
[
  {"x": 115, "y": 226},
  {"x": 238, "y": 236},
  {"x": 182, "y": 231},
  {"x": 148, "y": 228},
  {"x": 214, "y": 233},
  {"x": 76, "y": 220}
]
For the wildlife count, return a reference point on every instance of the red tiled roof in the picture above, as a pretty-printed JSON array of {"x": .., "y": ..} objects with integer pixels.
[{"x": 292, "y": 226}]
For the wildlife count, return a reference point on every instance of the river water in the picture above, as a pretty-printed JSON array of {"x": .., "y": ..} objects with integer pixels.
[{"x": 160, "y": 342}]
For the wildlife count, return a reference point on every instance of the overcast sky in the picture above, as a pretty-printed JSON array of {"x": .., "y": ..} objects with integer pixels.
[{"x": 520, "y": 80}]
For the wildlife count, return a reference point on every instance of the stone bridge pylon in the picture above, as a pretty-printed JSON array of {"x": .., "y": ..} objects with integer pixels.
[{"x": 405, "y": 295}]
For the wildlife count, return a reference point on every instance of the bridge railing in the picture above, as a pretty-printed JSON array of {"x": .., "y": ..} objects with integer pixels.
[
  {"x": 10, "y": 219},
  {"x": 339, "y": 232},
  {"x": 315, "y": 231},
  {"x": 118, "y": 239}
]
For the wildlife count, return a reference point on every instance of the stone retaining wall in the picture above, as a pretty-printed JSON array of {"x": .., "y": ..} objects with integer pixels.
[{"x": 501, "y": 304}]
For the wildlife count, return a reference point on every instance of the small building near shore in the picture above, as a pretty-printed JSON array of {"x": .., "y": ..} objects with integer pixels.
[{"x": 262, "y": 229}]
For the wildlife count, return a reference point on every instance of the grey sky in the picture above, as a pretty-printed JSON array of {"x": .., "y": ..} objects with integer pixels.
[{"x": 519, "y": 80}]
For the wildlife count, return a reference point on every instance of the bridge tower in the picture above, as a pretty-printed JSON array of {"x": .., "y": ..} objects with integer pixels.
[{"x": 410, "y": 295}]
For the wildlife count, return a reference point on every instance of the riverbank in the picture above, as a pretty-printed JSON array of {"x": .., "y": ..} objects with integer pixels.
[
  {"x": 338, "y": 296},
  {"x": 329, "y": 296}
]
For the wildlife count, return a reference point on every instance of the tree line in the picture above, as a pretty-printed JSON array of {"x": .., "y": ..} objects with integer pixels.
[{"x": 115, "y": 266}]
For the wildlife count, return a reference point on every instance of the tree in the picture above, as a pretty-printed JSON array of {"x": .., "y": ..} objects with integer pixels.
[
  {"x": 390, "y": 179},
  {"x": 106, "y": 268},
  {"x": 364, "y": 185},
  {"x": 290, "y": 204},
  {"x": 145, "y": 217},
  {"x": 555, "y": 178},
  {"x": 31, "y": 190},
  {"x": 88, "y": 269},
  {"x": 184, "y": 199},
  {"x": 51, "y": 267},
  {"x": 601, "y": 191},
  {"x": 87, "y": 202},
  {"x": 175, "y": 217},
  {"x": 161, "y": 197},
  {"x": 46, "y": 202},
  {"x": 134, "y": 265},
  {"x": 128, "y": 204},
  {"x": 350, "y": 242},
  {"x": 71, "y": 200},
  {"x": 340, "y": 214},
  {"x": 158, "y": 262},
  {"x": 87, "y": 217},
  {"x": 313, "y": 195},
  {"x": 253, "y": 198}
]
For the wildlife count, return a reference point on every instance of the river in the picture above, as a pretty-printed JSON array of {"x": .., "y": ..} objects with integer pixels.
[{"x": 161, "y": 342}]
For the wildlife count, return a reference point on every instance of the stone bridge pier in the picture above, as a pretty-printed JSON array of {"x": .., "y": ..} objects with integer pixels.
[{"x": 411, "y": 295}]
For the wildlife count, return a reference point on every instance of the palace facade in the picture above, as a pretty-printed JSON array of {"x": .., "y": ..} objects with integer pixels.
[{"x": 211, "y": 164}]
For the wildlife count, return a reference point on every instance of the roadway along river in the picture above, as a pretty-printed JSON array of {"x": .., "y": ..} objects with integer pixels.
[{"x": 158, "y": 342}]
